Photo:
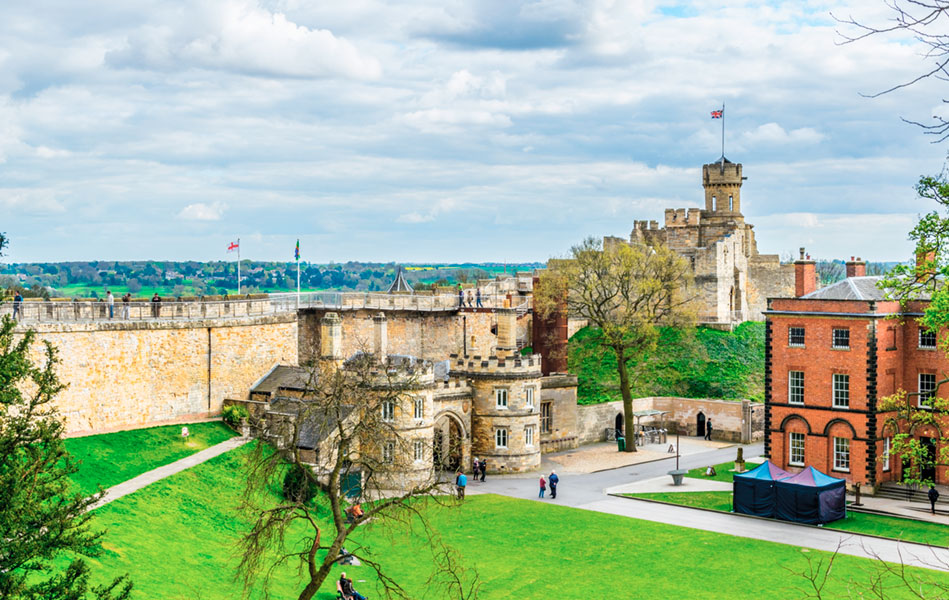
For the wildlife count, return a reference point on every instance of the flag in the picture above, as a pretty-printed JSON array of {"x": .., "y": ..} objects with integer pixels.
[
  {"x": 296, "y": 253},
  {"x": 718, "y": 114},
  {"x": 233, "y": 246}
]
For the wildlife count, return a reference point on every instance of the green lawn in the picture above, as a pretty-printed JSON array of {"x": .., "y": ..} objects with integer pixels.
[
  {"x": 723, "y": 472},
  {"x": 112, "y": 458},
  {"x": 891, "y": 527},
  {"x": 176, "y": 539}
]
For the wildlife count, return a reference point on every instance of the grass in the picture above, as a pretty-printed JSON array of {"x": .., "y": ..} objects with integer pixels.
[
  {"x": 890, "y": 527},
  {"x": 706, "y": 363},
  {"x": 112, "y": 458},
  {"x": 723, "y": 472},
  {"x": 176, "y": 538}
]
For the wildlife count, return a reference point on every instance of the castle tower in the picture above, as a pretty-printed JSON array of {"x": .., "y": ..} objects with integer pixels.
[{"x": 722, "y": 182}]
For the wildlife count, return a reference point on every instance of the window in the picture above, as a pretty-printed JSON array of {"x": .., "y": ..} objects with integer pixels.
[
  {"x": 842, "y": 339},
  {"x": 841, "y": 390},
  {"x": 927, "y": 339},
  {"x": 795, "y": 387},
  {"x": 419, "y": 450},
  {"x": 796, "y": 449},
  {"x": 529, "y": 398},
  {"x": 388, "y": 410},
  {"x": 388, "y": 452},
  {"x": 419, "y": 409},
  {"x": 545, "y": 417},
  {"x": 731, "y": 202},
  {"x": 528, "y": 436},
  {"x": 500, "y": 438},
  {"x": 887, "y": 444},
  {"x": 500, "y": 397},
  {"x": 927, "y": 389},
  {"x": 841, "y": 454},
  {"x": 796, "y": 337}
]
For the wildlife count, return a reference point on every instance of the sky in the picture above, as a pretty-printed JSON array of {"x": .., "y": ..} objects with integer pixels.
[{"x": 447, "y": 130}]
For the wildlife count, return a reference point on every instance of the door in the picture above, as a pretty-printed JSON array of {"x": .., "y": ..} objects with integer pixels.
[
  {"x": 619, "y": 424},
  {"x": 700, "y": 425},
  {"x": 928, "y": 472}
]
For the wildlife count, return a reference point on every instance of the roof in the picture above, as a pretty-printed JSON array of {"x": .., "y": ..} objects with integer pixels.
[
  {"x": 766, "y": 471},
  {"x": 317, "y": 423},
  {"x": 851, "y": 288},
  {"x": 400, "y": 285},
  {"x": 282, "y": 377},
  {"x": 811, "y": 477}
]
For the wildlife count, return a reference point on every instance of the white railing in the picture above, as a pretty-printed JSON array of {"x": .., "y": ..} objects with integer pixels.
[{"x": 167, "y": 309}]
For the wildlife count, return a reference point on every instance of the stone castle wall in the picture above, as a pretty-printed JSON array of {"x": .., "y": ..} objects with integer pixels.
[
  {"x": 126, "y": 374},
  {"x": 561, "y": 392}
]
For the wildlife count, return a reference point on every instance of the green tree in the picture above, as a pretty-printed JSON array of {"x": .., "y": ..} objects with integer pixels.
[{"x": 626, "y": 290}]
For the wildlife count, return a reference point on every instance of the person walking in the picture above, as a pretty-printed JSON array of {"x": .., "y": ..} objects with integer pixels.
[
  {"x": 708, "y": 430},
  {"x": 543, "y": 486},
  {"x": 110, "y": 300},
  {"x": 126, "y": 300},
  {"x": 475, "y": 467},
  {"x": 461, "y": 480},
  {"x": 469, "y": 299},
  {"x": 484, "y": 469},
  {"x": 554, "y": 480},
  {"x": 478, "y": 298},
  {"x": 156, "y": 305},
  {"x": 933, "y": 496},
  {"x": 17, "y": 301}
]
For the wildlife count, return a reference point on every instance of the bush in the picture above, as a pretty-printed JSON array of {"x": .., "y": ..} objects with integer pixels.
[
  {"x": 297, "y": 485},
  {"x": 233, "y": 413}
]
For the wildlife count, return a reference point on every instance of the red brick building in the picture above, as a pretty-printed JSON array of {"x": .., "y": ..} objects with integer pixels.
[{"x": 830, "y": 355}]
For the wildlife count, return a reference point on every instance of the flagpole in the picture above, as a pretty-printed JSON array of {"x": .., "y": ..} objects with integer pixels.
[
  {"x": 723, "y": 133},
  {"x": 238, "y": 266},
  {"x": 298, "y": 274}
]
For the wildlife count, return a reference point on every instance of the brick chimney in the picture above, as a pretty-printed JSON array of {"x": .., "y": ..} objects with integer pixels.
[
  {"x": 856, "y": 268},
  {"x": 805, "y": 275},
  {"x": 925, "y": 263}
]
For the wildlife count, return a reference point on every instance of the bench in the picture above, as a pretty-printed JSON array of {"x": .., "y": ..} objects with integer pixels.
[{"x": 339, "y": 592}]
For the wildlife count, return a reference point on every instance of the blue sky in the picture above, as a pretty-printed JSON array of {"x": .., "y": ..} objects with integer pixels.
[{"x": 444, "y": 130}]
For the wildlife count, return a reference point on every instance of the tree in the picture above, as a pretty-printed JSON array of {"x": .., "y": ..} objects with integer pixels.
[
  {"x": 923, "y": 280},
  {"x": 627, "y": 291},
  {"x": 354, "y": 424}
]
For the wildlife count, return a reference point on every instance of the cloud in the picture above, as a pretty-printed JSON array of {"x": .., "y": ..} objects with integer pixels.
[
  {"x": 31, "y": 202},
  {"x": 203, "y": 212}
]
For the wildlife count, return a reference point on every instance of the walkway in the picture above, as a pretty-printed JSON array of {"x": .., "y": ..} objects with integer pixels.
[{"x": 136, "y": 483}]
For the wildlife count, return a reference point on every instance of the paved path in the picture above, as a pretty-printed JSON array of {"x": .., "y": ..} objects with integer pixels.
[{"x": 136, "y": 483}]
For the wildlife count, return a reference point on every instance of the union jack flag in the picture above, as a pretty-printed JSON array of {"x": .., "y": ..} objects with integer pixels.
[{"x": 718, "y": 114}]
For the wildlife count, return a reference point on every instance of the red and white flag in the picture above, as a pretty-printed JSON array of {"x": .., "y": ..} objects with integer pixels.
[
  {"x": 233, "y": 246},
  {"x": 717, "y": 114}
]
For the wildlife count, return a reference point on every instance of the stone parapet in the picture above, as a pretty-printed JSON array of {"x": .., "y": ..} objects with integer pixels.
[{"x": 493, "y": 367}]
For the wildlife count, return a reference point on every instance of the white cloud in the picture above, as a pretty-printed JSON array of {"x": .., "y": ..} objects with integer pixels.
[
  {"x": 203, "y": 212},
  {"x": 33, "y": 202}
]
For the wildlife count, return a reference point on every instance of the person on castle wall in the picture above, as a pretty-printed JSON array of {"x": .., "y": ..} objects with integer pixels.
[
  {"x": 554, "y": 480},
  {"x": 543, "y": 486},
  {"x": 933, "y": 496},
  {"x": 461, "y": 480},
  {"x": 126, "y": 299},
  {"x": 346, "y": 586},
  {"x": 470, "y": 297},
  {"x": 708, "y": 430},
  {"x": 478, "y": 298},
  {"x": 484, "y": 469},
  {"x": 17, "y": 301},
  {"x": 156, "y": 305},
  {"x": 110, "y": 300},
  {"x": 461, "y": 297}
]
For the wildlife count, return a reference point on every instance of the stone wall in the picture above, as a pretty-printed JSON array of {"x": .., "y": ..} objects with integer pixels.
[
  {"x": 126, "y": 374},
  {"x": 561, "y": 392}
]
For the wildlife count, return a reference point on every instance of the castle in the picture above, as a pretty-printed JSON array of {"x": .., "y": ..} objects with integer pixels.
[{"x": 733, "y": 279}]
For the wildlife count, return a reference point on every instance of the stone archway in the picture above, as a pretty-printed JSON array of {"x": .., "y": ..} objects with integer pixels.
[
  {"x": 619, "y": 423},
  {"x": 451, "y": 449},
  {"x": 700, "y": 424}
]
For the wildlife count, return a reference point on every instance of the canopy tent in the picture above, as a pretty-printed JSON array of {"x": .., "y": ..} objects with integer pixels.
[
  {"x": 754, "y": 492},
  {"x": 810, "y": 497}
]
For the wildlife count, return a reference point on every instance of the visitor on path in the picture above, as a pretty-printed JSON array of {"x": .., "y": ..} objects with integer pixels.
[
  {"x": 110, "y": 300},
  {"x": 126, "y": 299},
  {"x": 554, "y": 480},
  {"x": 156, "y": 305},
  {"x": 17, "y": 301},
  {"x": 460, "y": 482},
  {"x": 346, "y": 586},
  {"x": 543, "y": 486},
  {"x": 933, "y": 496},
  {"x": 708, "y": 430},
  {"x": 461, "y": 297},
  {"x": 484, "y": 469},
  {"x": 478, "y": 298},
  {"x": 475, "y": 466}
]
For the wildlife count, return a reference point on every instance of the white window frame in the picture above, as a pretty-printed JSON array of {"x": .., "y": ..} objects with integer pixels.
[
  {"x": 842, "y": 454},
  {"x": 388, "y": 453},
  {"x": 833, "y": 338},
  {"x": 529, "y": 398},
  {"x": 388, "y": 411},
  {"x": 419, "y": 446},
  {"x": 500, "y": 438},
  {"x": 500, "y": 398},
  {"x": 419, "y": 408},
  {"x": 791, "y": 388},
  {"x": 792, "y": 344},
  {"x": 926, "y": 401},
  {"x": 529, "y": 436},
  {"x": 841, "y": 388},
  {"x": 922, "y": 332},
  {"x": 792, "y": 446},
  {"x": 887, "y": 446}
]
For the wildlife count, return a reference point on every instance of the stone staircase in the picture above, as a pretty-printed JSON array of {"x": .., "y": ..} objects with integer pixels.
[{"x": 907, "y": 493}]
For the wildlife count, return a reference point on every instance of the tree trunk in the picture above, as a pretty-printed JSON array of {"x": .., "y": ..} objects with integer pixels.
[{"x": 628, "y": 420}]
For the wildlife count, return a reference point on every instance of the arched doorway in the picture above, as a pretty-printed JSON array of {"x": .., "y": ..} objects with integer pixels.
[
  {"x": 619, "y": 423},
  {"x": 700, "y": 425},
  {"x": 449, "y": 450}
]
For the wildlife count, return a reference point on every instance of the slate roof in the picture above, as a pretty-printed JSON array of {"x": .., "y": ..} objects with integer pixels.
[
  {"x": 318, "y": 422},
  {"x": 400, "y": 285},
  {"x": 285, "y": 377},
  {"x": 852, "y": 288}
]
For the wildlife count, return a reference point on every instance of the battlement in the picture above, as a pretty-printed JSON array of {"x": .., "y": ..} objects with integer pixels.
[
  {"x": 683, "y": 217},
  {"x": 645, "y": 225},
  {"x": 514, "y": 367},
  {"x": 453, "y": 386}
]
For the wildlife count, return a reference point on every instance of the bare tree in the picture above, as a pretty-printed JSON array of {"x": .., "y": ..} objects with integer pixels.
[
  {"x": 627, "y": 291},
  {"x": 353, "y": 437}
]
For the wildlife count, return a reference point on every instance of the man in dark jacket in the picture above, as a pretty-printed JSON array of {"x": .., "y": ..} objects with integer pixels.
[
  {"x": 933, "y": 496},
  {"x": 17, "y": 301},
  {"x": 484, "y": 468},
  {"x": 708, "y": 430},
  {"x": 553, "y": 480},
  {"x": 346, "y": 585}
]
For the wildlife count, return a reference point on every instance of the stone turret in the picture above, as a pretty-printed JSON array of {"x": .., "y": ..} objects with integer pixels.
[
  {"x": 722, "y": 183},
  {"x": 331, "y": 337}
]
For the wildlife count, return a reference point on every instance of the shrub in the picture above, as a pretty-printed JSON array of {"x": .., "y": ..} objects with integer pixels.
[
  {"x": 233, "y": 413},
  {"x": 297, "y": 485}
]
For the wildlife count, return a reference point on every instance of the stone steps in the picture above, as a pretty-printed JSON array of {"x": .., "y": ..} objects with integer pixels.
[{"x": 908, "y": 494}]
